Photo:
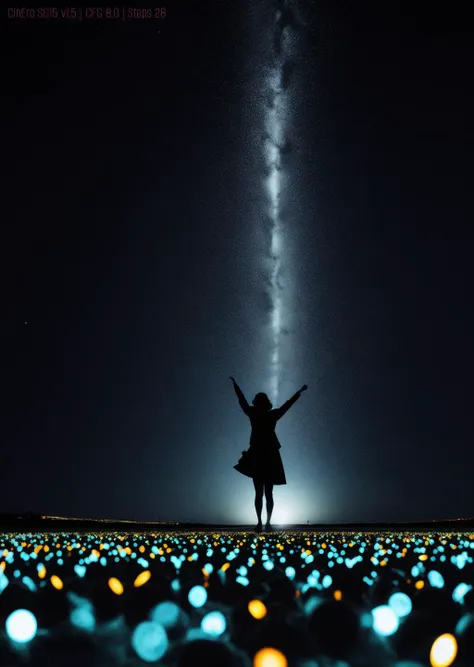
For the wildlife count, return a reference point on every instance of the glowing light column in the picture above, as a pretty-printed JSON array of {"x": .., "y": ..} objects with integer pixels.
[{"x": 274, "y": 145}]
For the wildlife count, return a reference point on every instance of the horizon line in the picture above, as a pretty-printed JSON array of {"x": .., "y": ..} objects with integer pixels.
[{"x": 172, "y": 522}]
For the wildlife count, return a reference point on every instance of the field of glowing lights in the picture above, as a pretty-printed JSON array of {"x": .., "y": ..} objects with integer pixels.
[{"x": 262, "y": 600}]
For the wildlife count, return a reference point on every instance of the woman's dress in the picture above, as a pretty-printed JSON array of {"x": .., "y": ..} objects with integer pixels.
[{"x": 262, "y": 461}]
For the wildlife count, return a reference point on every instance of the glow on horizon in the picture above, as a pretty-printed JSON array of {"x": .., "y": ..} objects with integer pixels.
[{"x": 289, "y": 509}]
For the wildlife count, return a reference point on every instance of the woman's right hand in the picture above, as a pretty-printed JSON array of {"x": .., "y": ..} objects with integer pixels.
[{"x": 304, "y": 387}]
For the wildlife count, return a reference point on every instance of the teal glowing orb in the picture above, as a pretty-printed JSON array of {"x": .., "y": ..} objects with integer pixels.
[
  {"x": 436, "y": 579},
  {"x": 21, "y": 626},
  {"x": 460, "y": 591},
  {"x": 384, "y": 621},
  {"x": 214, "y": 623},
  {"x": 166, "y": 614},
  {"x": 197, "y": 596},
  {"x": 150, "y": 641},
  {"x": 83, "y": 618},
  {"x": 401, "y": 604}
]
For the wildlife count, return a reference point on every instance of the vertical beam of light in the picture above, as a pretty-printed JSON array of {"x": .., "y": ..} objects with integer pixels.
[{"x": 274, "y": 143}]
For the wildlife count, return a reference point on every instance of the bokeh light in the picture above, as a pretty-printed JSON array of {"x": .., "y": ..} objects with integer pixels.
[
  {"x": 115, "y": 586},
  {"x": 21, "y": 625},
  {"x": 83, "y": 618},
  {"x": 215, "y": 580},
  {"x": 385, "y": 620},
  {"x": 150, "y": 641},
  {"x": 401, "y": 604},
  {"x": 166, "y": 613},
  {"x": 214, "y": 623},
  {"x": 270, "y": 657},
  {"x": 257, "y": 609},
  {"x": 197, "y": 596},
  {"x": 444, "y": 651},
  {"x": 142, "y": 578}
]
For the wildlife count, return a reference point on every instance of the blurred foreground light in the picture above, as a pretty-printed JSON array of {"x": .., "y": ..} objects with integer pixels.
[
  {"x": 29, "y": 583},
  {"x": 176, "y": 585},
  {"x": 57, "y": 583},
  {"x": 115, "y": 586},
  {"x": 243, "y": 581},
  {"x": 214, "y": 623},
  {"x": 257, "y": 609},
  {"x": 21, "y": 626},
  {"x": 195, "y": 633},
  {"x": 269, "y": 657},
  {"x": 197, "y": 596},
  {"x": 463, "y": 623},
  {"x": 83, "y": 618},
  {"x": 3, "y": 581},
  {"x": 436, "y": 579},
  {"x": 401, "y": 604},
  {"x": 150, "y": 641},
  {"x": 166, "y": 613},
  {"x": 444, "y": 651},
  {"x": 460, "y": 591},
  {"x": 385, "y": 621},
  {"x": 313, "y": 603},
  {"x": 142, "y": 578}
]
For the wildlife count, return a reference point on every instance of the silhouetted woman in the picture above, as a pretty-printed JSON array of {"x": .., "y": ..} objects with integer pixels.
[{"x": 262, "y": 461}]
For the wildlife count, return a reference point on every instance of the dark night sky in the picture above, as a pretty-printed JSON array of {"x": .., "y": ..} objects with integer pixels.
[{"x": 130, "y": 245}]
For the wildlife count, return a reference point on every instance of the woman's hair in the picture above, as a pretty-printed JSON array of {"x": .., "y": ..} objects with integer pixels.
[{"x": 262, "y": 402}]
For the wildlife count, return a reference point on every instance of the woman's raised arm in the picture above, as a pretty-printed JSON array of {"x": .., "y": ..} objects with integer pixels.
[
  {"x": 279, "y": 412},
  {"x": 242, "y": 400}
]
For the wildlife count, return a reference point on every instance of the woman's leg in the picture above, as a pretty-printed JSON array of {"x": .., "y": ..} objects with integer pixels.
[
  {"x": 269, "y": 499},
  {"x": 258, "y": 498}
]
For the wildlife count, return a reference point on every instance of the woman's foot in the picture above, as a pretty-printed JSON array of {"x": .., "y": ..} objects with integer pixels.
[
  {"x": 258, "y": 528},
  {"x": 268, "y": 527}
]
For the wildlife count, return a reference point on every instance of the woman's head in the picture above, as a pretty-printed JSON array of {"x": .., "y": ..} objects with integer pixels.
[{"x": 262, "y": 402}]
